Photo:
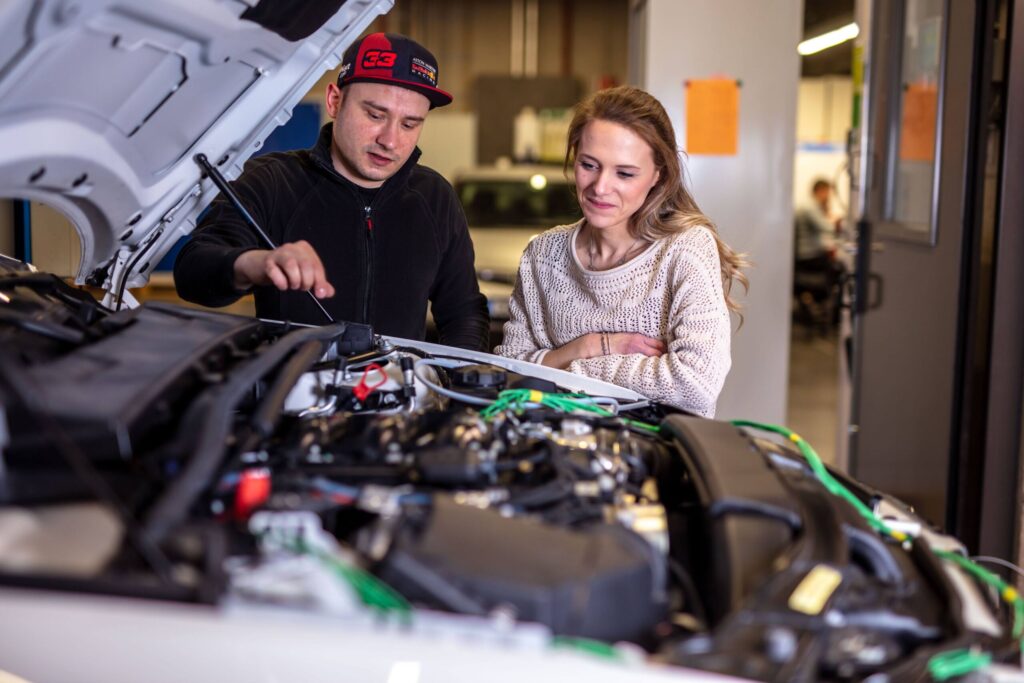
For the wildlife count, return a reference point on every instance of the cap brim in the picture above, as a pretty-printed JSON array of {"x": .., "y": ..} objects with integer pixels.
[{"x": 437, "y": 97}]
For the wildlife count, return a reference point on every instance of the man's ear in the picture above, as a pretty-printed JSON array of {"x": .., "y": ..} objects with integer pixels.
[{"x": 333, "y": 99}]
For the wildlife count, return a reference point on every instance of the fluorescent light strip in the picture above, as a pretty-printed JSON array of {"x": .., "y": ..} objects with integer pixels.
[{"x": 827, "y": 40}]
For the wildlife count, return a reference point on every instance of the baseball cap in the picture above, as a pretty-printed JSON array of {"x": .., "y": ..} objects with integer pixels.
[{"x": 393, "y": 59}]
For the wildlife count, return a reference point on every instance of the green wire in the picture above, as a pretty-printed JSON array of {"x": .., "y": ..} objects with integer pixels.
[
  {"x": 371, "y": 591},
  {"x": 832, "y": 485},
  {"x": 655, "y": 429},
  {"x": 955, "y": 663},
  {"x": 945, "y": 665},
  {"x": 587, "y": 645},
  {"x": 1005, "y": 590},
  {"x": 516, "y": 400}
]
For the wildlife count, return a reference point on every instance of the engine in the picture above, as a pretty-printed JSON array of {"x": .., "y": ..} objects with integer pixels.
[
  {"x": 531, "y": 511},
  {"x": 232, "y": 461}
]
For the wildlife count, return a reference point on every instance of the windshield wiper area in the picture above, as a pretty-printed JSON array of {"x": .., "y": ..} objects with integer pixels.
[{"x": 34, "y": 305}]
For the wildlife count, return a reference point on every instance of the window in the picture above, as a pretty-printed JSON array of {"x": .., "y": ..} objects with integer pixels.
[{"x": 914, "y": 118}]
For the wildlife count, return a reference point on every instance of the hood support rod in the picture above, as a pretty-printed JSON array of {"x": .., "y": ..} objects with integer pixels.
[{"x": 222, "y": 184}]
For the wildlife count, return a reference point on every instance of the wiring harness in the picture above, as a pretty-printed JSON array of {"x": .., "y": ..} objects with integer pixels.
[
  {"x": 302, "y": 534},
  {"x": 519, "y": 400},
  {"x": 377, "y": 595},
  {"x": 942, "y": 666},
  {"x": 945, "y": 665}
]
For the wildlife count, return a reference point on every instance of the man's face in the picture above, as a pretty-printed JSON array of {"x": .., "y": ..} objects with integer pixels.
[
  {"x": 376, "y": 128},
  {"x": 821, "y": 195}
]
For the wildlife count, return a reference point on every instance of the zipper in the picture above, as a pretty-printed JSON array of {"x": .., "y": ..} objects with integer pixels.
[{"x": 369, "y": 262}]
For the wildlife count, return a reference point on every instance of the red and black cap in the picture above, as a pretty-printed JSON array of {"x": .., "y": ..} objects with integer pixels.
[{"x": 393, "y": 59}]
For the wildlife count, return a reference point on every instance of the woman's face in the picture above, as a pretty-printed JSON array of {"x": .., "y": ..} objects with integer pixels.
[{"x": 614, "y": 172}]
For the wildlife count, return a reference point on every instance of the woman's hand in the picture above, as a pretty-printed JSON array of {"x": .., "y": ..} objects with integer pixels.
[
  {"x": 602, "y": 344},
  {"x": 626, "y": 343}
]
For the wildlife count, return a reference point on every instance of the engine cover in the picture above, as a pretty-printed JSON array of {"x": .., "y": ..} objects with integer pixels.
[{"x": 602, "y": 581}]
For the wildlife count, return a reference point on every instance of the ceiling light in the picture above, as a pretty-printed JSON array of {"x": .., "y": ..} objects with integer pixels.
[{"x": 827, "y": 40}]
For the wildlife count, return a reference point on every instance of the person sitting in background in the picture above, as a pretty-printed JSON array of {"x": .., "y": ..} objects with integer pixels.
[
  {"x": 816, "y": 270},
  {"x": 637, "y": 292},
  {"x": 815, "y": 231}
]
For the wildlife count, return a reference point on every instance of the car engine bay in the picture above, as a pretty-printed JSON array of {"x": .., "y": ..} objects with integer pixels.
[{"x": 335, "y": 471}]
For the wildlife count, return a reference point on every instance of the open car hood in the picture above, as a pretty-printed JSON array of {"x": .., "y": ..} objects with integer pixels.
[{"x": 104, "y": 105}]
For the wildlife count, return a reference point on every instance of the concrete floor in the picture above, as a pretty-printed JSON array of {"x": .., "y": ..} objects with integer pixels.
[{"x": 814, "y": 389}]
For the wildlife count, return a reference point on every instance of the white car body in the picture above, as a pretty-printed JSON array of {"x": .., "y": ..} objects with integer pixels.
[{"x": 104, "y": 106}]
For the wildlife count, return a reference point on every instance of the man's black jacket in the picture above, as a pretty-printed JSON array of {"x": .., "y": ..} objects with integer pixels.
[{"x": 385, "y": 261}]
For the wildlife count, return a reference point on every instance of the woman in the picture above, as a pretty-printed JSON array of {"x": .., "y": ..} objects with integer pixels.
[{"x": 637, "y": 292}]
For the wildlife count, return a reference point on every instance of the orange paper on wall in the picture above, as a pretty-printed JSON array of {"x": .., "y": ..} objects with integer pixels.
[
  {"x": 712, "y": 116},
  {"x": 917, "y": 130}
]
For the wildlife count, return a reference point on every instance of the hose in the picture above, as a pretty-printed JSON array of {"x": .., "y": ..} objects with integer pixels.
[{"x": 173, "y": 506}]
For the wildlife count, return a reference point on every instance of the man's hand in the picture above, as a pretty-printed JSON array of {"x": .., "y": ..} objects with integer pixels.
[
  {"x": 294, "y": 265},
  {"x": 592, "y": 345}
]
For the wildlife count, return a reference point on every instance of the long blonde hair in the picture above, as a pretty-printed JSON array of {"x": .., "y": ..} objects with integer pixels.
[{"x": 669, "y": 207}]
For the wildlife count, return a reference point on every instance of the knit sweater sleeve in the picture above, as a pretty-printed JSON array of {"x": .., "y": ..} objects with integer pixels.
[
  {"x": 519, "y": 339},
  {"x": 691, "y": 373}
]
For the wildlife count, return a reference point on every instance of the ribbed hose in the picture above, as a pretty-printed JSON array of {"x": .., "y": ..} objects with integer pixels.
[{"x": 173, "y": 506}]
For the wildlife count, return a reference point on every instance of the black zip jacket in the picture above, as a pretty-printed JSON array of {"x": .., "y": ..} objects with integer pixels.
[{"x": 386, "y": 260}]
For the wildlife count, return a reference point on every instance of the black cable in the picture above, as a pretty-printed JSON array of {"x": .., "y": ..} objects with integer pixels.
[
  {"x": 131, "y": 266},
  {"x": 411, "y": 572},
  {"x": 544, "y": 495},
  {"x": 635, "y": 462},
  {"x": 575, "y": 516},
  {"x": 999, "y": 561},
  {"x": 266, "y": 416},
  {"x": 509, "y": 465},
  {"x": 174, "y": 504},
  {"x": 689, "y": 588},
  {"x": 756, "y": 508}
]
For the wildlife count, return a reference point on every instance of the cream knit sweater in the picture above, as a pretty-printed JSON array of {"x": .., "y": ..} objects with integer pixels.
[{"x": 672, "y": 291}]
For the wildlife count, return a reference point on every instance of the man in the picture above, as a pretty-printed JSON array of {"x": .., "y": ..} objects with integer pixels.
[
  {"x": 360, "y": 224},
  {"x": 817, "y": 272},
  {"x": 815, "y": 232}
]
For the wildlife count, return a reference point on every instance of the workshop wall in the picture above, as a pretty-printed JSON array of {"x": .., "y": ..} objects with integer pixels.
[
  {"x": 749, "y": 194},
  {"x": 555, "y": 51},
  {"x": 824, "y": 118},
  {"x": 584, "y": 39}
]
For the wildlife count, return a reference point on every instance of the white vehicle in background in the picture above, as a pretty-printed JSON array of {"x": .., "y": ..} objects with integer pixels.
[{"x": 506, "y": 206}]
